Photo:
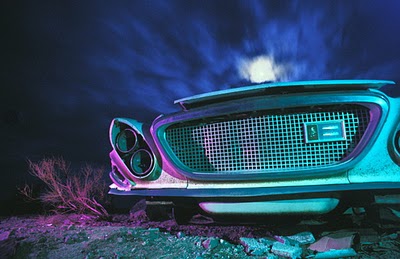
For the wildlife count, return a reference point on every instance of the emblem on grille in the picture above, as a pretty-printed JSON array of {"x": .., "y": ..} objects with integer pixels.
[{"x": 324, "y": 131}]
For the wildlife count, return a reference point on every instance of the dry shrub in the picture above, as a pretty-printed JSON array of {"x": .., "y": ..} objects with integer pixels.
[{"x": 69, "y": 191}]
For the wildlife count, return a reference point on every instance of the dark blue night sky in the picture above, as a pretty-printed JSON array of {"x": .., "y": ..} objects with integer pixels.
[{"x": 69, "y": 67}]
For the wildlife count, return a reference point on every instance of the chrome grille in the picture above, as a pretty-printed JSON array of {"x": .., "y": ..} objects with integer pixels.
[{"x": 268, "y": 141}]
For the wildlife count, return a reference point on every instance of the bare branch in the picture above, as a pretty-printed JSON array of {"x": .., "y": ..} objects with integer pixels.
[{"x": 69, "y": 191}]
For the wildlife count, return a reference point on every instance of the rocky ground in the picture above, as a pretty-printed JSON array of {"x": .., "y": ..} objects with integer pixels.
[{"x": 135, "y": 236}]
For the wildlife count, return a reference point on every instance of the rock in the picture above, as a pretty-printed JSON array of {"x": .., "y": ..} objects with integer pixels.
[
  {"x": 57, "y": 220},
  {"x": 138, "y": 212},
  {"x": 287, "y": 241},
  {"x": 139, "y": 216},
  {"x": 266, "y": 241},
  {"x": 140, "y": 205},
  {"x": 210, "y": 243},
  {"x": 254, "y": 247},
  {"x": 286, "y": 250},
  {"x": 303, "y": 238},
  {"x": 151, "y": 233},
  {"x": 180, "y": 234}
]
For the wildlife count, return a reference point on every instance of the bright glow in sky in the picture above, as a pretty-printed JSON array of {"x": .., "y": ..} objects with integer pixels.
[{"x": 260, "y": 69}]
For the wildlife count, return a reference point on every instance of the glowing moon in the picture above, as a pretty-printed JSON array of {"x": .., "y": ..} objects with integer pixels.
[{"x": 259, "y": 69}]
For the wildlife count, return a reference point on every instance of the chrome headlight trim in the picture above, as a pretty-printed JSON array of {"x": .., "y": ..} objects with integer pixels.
[
  {"x": 126, "y": 140},
  {"x": 141, "y": 163}
]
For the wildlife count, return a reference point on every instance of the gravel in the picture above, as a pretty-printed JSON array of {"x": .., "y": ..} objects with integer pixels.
[{"x": 83, "y": 236}]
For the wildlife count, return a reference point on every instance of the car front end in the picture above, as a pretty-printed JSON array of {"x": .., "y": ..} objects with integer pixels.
[{"x": 278, "y": 148}]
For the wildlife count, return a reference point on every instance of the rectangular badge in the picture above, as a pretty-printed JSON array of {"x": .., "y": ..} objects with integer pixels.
[{"x": 324, "y": 131}]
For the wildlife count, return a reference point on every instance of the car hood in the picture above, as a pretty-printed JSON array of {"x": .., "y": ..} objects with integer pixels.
[{"x": 278, "y": 87}]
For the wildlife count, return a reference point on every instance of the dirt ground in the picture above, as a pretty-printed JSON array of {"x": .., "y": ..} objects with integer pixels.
[{"x": 135, "y": 236}]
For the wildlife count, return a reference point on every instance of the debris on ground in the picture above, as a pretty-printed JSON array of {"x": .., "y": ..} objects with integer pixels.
[
  {"x": 210, "y": 243},
  {"x": 253, "y": 246},
  {"x": 328, "y": 243},
  {"x": 303, "y": 238},
  {"x": 138, "y": 212},
  {"x": 286, "y": 250},
  {"x": 77, "y": 236}
]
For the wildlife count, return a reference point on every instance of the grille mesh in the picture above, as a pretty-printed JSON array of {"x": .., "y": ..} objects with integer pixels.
[{"x": 269, "y": 141}]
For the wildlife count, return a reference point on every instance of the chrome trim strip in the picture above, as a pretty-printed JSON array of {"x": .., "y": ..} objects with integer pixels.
[{"x": 259, "y": 192}]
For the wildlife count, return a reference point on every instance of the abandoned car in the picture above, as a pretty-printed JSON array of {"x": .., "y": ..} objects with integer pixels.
[{"x": 306, "y": 147}]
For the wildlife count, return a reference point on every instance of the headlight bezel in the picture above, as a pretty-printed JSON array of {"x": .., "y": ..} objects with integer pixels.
[{"x": 127, "y": 138}]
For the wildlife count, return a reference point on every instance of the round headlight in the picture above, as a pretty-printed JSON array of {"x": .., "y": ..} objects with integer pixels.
[
  {"x": 142, "y": 162},
  {"x": 126, "y": 140}
]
